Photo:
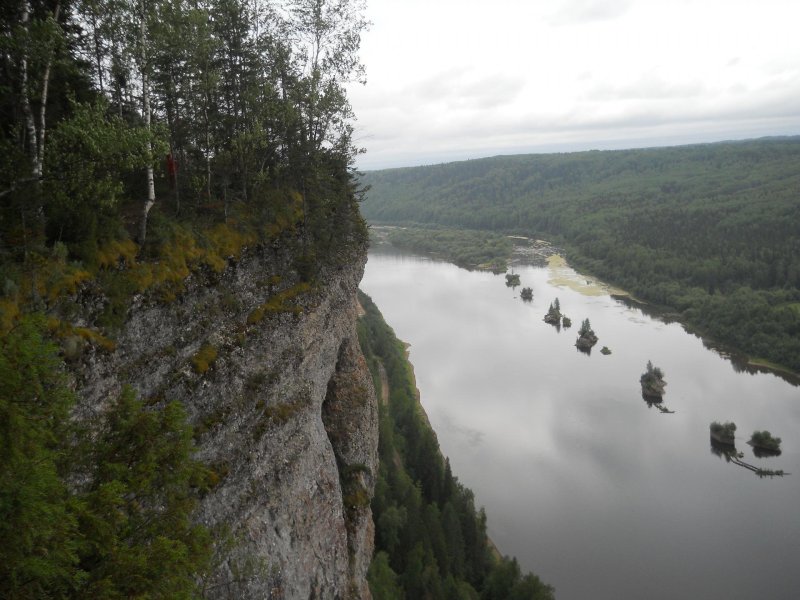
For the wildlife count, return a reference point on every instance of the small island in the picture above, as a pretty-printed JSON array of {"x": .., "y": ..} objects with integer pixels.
[
  {"x": 526, "y": 294},
  {"x": 763, "y": 440},
  {"x": 553, "y": 315},
  {"x": 586, "y": 336},
  {"x": 723, "y": 433},
  {"x": 605, "y": 350},
  {"x": 512, "y": 280},
  {"x": 653, "y": 383},
  {"x": 566, "y": 322}
]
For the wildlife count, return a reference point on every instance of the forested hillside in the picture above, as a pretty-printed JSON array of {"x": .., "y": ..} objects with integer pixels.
[
  {"x": 143, "y": 141},
  {"x": 430, "y": 538},
  {"x": 709, "y": 231}
]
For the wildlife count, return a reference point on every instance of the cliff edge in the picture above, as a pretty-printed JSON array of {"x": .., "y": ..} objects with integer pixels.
[{"x": 273, "y": 380}]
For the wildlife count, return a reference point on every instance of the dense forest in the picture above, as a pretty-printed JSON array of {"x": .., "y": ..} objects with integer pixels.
[
  {"x": 466, "y": 248},
  {"x": 144, "y": 140},
  {"x": 430, "y": 539},
  {"x": 710, "y": 232},
  {"x": 145, "y": 121}
]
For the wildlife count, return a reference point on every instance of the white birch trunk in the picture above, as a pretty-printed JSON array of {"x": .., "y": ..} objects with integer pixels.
[
  {"x": 151, "y": 189},
  {"x": 30, "y": 124},
  {"x": 39, "y": 167}
]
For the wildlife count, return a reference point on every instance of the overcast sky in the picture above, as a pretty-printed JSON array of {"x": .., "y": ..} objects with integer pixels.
[{"x": 456, "y": 79}]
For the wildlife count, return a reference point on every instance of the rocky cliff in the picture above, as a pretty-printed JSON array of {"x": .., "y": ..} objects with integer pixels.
[{"x": 272, "y": 377}]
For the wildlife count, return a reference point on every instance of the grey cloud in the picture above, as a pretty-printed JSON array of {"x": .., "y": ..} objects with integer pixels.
[
  {"x": 458, "y": 88},
  {"x": 647, "y": 87}
]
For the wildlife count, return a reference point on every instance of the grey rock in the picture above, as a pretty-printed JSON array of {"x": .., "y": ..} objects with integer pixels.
[{"x": 286, "y": 415}]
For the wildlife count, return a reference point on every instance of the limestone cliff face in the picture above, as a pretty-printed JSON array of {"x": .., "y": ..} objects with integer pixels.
[{"x": 284, "y": 410}]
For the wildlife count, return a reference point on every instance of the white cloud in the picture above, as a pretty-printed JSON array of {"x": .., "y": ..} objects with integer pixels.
[
  {"x": 573, "y": 12},
  {"x": 452, "y": 79}
]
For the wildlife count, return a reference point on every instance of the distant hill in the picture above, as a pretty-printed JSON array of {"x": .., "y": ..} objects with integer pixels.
[{"x": 711, "y": 231}]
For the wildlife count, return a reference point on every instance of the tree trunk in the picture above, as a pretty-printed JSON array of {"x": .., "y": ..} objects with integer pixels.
[
  {"x": 43, "y": 111},
  {"x": 151, "y": 190},
  {"x": 30, "y": 125}
]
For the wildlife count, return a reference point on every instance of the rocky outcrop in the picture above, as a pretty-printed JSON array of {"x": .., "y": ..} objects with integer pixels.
[{"x": 272, "y": 377}]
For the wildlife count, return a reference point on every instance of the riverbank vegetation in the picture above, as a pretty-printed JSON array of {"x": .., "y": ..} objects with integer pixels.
[
  {"x": 430, "y": 538},
  {"x": 764, "y": 441},
  {"x": 586, "y": 336},
  {"x": 553, "y": 316},
  {"x": 710, "y": 232},
  {"x": 653, "y": 383},
  {"x": 723, "y": 432},
  {"x": 468, "y": 249}
]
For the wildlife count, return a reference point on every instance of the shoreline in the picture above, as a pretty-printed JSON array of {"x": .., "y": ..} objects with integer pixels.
[{"x": 542, "y": 253}]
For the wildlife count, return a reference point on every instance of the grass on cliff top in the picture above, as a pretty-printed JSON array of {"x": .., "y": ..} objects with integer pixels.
[{"x": 48, "y": 278}]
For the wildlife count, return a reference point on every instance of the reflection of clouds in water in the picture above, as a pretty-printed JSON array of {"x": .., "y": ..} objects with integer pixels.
[
  {"x": 508, "y": 393},
  {"x": 473, "y": 437},
  {"x": 636, "y": 319}
]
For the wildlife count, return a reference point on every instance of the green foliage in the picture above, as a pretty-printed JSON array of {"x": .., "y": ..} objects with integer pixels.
[
  {"x": 466, "y": 248},
  {"x": 125, "y": 530},
  {"x": 526, "y": 294},
  {"x": 430, "y": 540},
  {"x": 247, "y": 138},
  {"x": 553, "y": 315},
  {"x": 709, "y": 231},
  {"x": 86, "y": 156},
  {"x": 764, "y": 439},
  {"x": 725, "y": 430},
  {"x": 586, "y": 328},
  {"x": 652, "y": 381},
  {"x": 137, "y": 508},
  {"x": 39, "y": 551},
  {"x": 652, "y": 373},
  {"x": 382, "y": 580}
]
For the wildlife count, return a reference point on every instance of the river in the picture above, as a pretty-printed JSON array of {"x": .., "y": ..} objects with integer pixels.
[{"x": 601, "y": 495}]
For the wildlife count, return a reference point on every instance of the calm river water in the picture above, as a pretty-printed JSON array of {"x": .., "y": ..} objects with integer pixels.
[{"x": 599, "y": 494}]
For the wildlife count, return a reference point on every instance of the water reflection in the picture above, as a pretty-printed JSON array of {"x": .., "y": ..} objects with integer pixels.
[
  {"x": 544, "y": 436},
  {"x": 740, "y": 363},
  {"x": 658, "y": 403},
  {"x": 764, "y": 453},
  {"x": 722, "y": 449},
  {"x": 731, "y": 455}
]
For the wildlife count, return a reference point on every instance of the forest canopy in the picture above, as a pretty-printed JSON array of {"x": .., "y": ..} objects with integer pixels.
[
  {"x": 209, "y": 111},
  {"x": 711, "y": 232}
]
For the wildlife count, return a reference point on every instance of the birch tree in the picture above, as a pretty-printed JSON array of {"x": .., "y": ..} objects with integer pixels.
[{"x": 37, "y": 42}]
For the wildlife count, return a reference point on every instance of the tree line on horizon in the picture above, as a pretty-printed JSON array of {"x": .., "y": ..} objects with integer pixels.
[{"x": 710, "y": 232}]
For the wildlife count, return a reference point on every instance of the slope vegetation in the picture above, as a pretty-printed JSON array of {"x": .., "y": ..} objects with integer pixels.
[
  {"x": 430, "y": 539},
  {"x": 712, "y": 232}
]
